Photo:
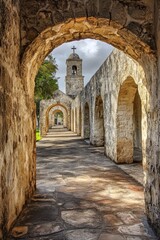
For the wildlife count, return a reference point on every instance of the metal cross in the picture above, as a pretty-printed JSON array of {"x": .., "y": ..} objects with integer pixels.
[{"x": 73, "y": 48}]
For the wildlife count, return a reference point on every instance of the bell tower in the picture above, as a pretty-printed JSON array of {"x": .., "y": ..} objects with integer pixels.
[{"x": 74, "y": 79}]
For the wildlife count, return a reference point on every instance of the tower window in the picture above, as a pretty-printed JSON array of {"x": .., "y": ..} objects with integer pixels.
[{"x": 74, "y": 70}]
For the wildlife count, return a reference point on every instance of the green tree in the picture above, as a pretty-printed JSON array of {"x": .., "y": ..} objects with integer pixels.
[{"x": 46, "y": 81}]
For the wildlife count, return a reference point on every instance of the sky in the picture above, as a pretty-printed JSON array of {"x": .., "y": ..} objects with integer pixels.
[{"x": 92, "y": 52}]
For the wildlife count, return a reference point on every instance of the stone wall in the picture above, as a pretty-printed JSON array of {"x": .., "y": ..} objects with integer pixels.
[
  {"x": 117, "y": 82},
  {"x": 17, "y": 135},
  {"x": 135, "y": 16}
]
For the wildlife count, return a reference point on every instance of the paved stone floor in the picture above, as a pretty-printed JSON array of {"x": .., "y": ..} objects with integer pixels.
[{"x": 81, "y": 195}]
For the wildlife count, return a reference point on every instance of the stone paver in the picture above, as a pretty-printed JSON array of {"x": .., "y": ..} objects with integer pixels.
[{"x": 81, "y": 195}]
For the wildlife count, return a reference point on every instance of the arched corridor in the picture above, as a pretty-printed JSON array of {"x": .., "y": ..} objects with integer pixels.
[
  {"x": 29, "y": 31},
  {"x": 48, "y": 117}
]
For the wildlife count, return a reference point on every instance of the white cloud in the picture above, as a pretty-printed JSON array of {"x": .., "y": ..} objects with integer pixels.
[
  {"x": 89, "y": 47},
  {"x": 92, "y": 52}
]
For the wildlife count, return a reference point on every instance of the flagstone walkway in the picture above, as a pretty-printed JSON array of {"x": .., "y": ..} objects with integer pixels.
[{"x": 81, "y": 195}]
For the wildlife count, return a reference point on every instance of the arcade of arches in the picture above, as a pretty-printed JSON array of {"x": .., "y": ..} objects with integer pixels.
[{"x": 29, "y": 30}]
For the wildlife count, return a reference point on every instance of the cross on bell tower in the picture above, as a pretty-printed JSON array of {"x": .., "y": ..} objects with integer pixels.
[
  {"x": 73, "y": 48},
  {"x": 74, "y": 79}
]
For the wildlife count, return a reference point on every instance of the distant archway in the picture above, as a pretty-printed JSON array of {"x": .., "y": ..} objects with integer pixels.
[
  {"x": 56, "y": 118},
  {"x": 46, "y": 113}
]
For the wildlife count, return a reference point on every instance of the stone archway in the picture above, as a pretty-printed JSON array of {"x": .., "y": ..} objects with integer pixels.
[
  {"x": 28, "y": 35},
  {"x": 128, "y": 121},
  {"x": 98, "y": 123},
  {"x": 57, "y": 117},
  {"x": 44, "y": 116},
  {"x": 82, "y": 28},
  {"x": 86, "y": 121}
]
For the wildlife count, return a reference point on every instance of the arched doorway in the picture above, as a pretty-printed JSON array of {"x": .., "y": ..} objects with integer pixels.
[
  {"x": 98, "y": 127},
  {"x": 129, "y": 133},
  {"x": 57, "y": 118},
  {"x": 86, "y": 121}
]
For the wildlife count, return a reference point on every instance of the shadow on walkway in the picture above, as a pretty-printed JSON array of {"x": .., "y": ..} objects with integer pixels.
[{"x": 81, "y": 195}]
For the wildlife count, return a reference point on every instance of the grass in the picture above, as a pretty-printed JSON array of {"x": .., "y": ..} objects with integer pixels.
[{"x": 38, "y": 136}]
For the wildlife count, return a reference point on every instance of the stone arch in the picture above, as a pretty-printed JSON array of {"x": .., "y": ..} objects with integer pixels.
[
  {"x": 52, "y": 119},
  {"x": 113, "y": 31},
  {"x": 81, "y": 28},
  {"x": 44, "y": 124},
  {"x": 98, "y": 123},
  {"x": 129, "y": 117},
  {"x": 86, "y": 121}
]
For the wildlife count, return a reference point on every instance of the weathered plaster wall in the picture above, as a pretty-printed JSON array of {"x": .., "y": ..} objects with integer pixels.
[{"x": 17, "y": 135}]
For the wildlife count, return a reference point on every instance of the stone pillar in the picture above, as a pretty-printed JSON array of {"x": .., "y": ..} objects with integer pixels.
[
  {"x": 72, "y": 120},
  {"x": 79, "y": 120},
  {"x": 86, "y": 121}
]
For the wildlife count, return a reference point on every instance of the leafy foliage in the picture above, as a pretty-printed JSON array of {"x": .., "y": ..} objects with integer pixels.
[
  {"x": 46, "y": 81},
  {"x": 38, "y": 136}
]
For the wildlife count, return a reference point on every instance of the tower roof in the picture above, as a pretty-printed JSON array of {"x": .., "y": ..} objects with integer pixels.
[{"x": 74, "y": 55}]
